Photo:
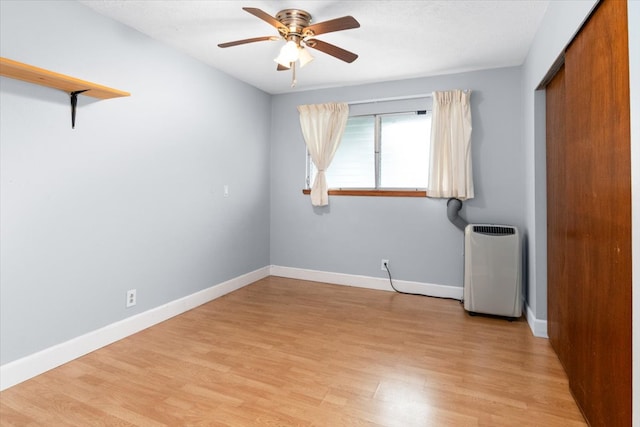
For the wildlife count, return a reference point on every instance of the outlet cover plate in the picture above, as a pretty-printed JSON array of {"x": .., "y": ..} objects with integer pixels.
[{"x": 131, "y": 298}]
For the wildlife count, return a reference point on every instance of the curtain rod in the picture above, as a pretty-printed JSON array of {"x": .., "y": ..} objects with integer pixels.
[{"x": 395, "y": 98}]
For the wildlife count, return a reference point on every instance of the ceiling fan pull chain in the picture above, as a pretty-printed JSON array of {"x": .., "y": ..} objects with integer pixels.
[{"x": 293, "y": 76}]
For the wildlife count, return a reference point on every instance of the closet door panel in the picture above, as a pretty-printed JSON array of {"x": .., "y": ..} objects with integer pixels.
[
  {"x": 589, "y": 218},
  {"x": 558, "y": 211}
]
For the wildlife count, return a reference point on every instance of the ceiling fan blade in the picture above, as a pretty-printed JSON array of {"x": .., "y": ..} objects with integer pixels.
[
  {"x": 332, "y": 50},
  {"x": 338, "y": 24},
  {"x": 265, "y": 17},
  {"x": 245, "y": 41},
  {"x": 282, "y": 68}
]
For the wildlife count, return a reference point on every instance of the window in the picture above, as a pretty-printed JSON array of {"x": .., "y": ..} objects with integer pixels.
[{"x": 386, "y": 150}]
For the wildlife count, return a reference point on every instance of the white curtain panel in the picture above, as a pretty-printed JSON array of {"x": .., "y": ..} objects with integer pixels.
[
  {"x": 322, "y": 127},
  {"x": 450, "y": 172}
]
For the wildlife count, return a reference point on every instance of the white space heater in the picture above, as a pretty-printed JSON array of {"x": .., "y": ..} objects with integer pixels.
[{"x": 492, "y": 270}]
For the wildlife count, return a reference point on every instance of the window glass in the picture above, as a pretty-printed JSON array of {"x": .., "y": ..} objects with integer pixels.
[
  {"x": 404, "y": 150},
  {"x": 353, "y": 165}
]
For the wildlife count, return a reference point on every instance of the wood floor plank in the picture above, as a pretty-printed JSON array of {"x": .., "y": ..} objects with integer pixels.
[{"x": 284, "y": 352}]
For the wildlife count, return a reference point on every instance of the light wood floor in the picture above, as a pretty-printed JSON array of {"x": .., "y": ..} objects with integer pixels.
[{"x": 285, "y": 352}]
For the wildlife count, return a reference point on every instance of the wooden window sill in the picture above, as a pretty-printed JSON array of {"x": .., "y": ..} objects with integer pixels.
[{"x": 373, "y": 193}]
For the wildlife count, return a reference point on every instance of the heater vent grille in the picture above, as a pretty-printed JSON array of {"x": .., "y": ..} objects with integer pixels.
[{"x": 494, "y": 230}]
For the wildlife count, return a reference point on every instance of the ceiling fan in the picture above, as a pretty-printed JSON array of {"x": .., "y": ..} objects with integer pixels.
[{"x": 294, "y": 26}]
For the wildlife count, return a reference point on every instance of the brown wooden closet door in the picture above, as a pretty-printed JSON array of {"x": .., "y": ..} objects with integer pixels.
[
  {"x": 589, "y": 217},
  {"x": 557, "y": 213}
]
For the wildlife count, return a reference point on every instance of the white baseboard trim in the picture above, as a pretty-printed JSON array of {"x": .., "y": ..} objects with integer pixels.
[
  {"x": 538, "y": 327},
  {"x": 430, "y": 289},
  {"x": 20, "y": 370}
]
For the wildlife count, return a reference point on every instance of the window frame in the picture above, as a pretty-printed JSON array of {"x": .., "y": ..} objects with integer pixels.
[
  {"x": 371, "y": 192},
  {"x": 378, "y": 191}
]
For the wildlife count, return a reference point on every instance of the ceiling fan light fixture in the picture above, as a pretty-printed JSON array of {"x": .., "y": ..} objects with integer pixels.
[
  {"x": 288, "y": 54},
  {"x": 283, "y": 65},
  {"x": 304, "y": 56}
]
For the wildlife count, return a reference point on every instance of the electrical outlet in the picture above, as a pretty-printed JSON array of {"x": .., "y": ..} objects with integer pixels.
[
  {"x": 384, "y": 264},
  {"x": 225, "y": 190},
  {"x": 131, "y": 298}
]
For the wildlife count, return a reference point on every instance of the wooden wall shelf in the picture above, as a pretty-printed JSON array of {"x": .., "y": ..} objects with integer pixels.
[{"x": 40, "y": 76}]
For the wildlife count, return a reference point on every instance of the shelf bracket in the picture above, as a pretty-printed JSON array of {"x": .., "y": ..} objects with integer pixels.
[{"x": 74, "y": 103}]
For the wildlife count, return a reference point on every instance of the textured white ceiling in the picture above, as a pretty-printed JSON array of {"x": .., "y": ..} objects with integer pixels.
[{"x": 397, "y": 39}]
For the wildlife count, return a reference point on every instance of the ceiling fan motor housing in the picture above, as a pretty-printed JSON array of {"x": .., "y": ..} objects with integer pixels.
[{"x": 295, "y": 21}]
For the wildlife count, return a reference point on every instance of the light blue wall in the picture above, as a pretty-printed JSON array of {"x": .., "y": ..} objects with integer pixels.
[
  {"x": 132, "y": 198},
  {"x": 560, "y": 23},
  {"x": 353, "y": 234}
]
